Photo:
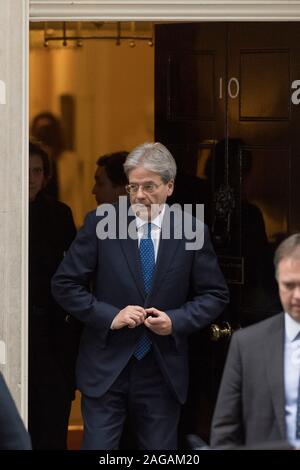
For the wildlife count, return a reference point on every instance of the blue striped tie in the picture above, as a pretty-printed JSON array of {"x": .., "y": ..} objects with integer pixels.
[{"x": 147, "y": 257}]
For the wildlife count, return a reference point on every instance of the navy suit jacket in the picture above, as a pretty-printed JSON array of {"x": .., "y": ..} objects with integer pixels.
[
  {"x": 188, "y": 285},
  {"x": 13, "y": 435}
]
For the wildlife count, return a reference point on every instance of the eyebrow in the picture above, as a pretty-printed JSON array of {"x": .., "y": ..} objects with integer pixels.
[{"x": 145, "y": 182}]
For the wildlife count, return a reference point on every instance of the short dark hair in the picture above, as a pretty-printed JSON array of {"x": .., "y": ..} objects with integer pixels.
[
  {"x": 287, "y": 249},
  {"x": 113, "y": 165},
  {"x": 36, "y": 148}
]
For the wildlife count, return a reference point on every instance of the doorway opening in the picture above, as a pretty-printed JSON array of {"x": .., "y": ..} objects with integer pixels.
[{"x": 210, "y": 88}]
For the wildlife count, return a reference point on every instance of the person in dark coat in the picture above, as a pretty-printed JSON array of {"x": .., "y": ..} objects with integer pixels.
[
  {"x": 53, "y": 334},
  {"x": 259, "y": 398},
  {"x": 13, "y": 435}
]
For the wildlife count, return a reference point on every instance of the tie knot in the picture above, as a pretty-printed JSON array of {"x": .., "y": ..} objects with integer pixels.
[{"x": 147, "y": 230}]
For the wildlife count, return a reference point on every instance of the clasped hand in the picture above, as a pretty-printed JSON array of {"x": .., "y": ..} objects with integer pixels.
[{"x": 134, "y": 315}]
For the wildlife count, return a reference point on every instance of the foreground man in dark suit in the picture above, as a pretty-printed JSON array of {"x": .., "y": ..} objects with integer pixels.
[
  {"x": 259, "y": 401},
  {"x": 13, "y": 435},
  {"x": 133, "y": 352}
]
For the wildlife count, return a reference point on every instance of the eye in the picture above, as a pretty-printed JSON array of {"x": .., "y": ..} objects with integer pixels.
[
  {"x": 132, "y": 188},
  {"x": 289, "y": 286},
  {"x": 149, "y": 187}
]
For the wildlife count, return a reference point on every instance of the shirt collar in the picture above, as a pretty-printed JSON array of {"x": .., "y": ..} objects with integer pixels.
[
  {"x": 292, "y": 327},
  {"x": 157, "y": 221}
]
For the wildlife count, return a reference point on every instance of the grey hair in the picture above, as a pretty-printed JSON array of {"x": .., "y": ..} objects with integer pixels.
[
  {"x": 288, "y": 248},
  {"x": 154, "y": 157}
]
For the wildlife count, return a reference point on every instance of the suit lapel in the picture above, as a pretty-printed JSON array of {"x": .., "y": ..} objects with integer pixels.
[
  {"x": 274, "y": 354},
  {"x": 130, "y": 249}
]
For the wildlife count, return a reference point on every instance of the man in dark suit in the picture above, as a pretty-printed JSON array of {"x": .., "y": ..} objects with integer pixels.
[
  {"x": 13, "y": 435},
  {"x": 259, "y": 401},
  {"x": 151, "y": 289}
]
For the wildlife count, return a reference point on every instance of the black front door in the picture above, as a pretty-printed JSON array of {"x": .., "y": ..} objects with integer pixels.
[{"x": 226, "y": 104}]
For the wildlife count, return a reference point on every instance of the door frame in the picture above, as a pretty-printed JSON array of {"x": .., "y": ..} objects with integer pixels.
[
  {"x": 167, "y": 10},
  {"x": 14, "y": 142}
]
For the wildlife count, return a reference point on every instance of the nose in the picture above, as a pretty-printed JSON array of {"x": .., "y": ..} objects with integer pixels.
[{"x": 140, "y": 193}]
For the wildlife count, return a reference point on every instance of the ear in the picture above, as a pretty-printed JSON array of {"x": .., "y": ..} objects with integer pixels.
[{"x": 170, "y": 188}]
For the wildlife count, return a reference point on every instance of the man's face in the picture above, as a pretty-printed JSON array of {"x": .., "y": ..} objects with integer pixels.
[
  {"x": 158, "y": 195},
  {"x": 288, "y": 275},
  {"x": 104, "y": 190},
  {"x": 36, "y": 176}
]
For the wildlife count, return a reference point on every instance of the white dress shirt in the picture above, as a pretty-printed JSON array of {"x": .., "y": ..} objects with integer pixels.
[
  {"x": 156, "y": 225},
  {"x": 291, "y": 376}
]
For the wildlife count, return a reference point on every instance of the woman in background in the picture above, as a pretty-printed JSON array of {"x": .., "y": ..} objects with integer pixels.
[{"x": 53, "y": 334}]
